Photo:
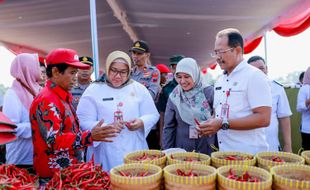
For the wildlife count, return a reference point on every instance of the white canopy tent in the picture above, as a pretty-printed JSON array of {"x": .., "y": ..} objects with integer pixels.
[{"x": 169, "y": 26}]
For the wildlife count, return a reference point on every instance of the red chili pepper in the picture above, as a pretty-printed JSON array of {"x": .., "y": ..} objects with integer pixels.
[
  {"x": 245, "y": 177},
  {"x": 197, "y": 122},
  {"x": 277, "y": 159},
  {"x": 231, "y": 157},
  {"x": 123, "y": 173}
]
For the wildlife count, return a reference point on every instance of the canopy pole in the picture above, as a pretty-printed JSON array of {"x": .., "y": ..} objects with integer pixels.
[
  {"x": 265, "y": 48},
  {"x": 94, "y": 36}
]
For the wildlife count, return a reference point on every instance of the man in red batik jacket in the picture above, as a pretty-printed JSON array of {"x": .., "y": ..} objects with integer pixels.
[{"x": 57, "y": 138}]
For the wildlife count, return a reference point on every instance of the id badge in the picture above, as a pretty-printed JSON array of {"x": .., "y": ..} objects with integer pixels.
[
  {"x": 118, "y": 116},
  {"x": 225, "y": 110},
  {"x": 193, "y": 133}
]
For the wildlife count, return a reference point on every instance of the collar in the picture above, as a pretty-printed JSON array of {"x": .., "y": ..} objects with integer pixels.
[
  {"x": 61, "y": 93},
  {"x": 239, "y": 67},
  {"x": 135, "y": 69}
]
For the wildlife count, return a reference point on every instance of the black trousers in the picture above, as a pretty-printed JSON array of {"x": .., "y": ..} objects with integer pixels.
[{"x": 153, "y": 139}]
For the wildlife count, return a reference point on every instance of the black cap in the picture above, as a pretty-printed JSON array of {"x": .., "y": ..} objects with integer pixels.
[
  {"x": 175, "y": 59},
  {"x": 140, "y": 46},
  {"x": 86, "y": 60}
]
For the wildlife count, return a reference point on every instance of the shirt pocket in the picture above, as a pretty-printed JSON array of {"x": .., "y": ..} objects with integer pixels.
[{"x": 237, "y": 100}]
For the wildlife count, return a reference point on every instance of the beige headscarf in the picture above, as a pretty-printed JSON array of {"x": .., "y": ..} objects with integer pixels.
[{"x": 112, "y": 57}]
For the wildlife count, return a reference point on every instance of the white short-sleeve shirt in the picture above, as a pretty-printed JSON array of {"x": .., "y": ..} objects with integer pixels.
[
  {"x": 249, "y": 88},
  {"x": 303, "y": 95},
  {"x": 280, "y": 108}
]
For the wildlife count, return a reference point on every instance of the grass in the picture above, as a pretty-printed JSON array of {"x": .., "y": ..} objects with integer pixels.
[{"x": 295, "y": 119}]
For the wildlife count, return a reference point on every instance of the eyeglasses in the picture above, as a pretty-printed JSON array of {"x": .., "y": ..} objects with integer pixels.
[
  {"x": 220, "y": 52},
  {"x": 114, "y": 72}
]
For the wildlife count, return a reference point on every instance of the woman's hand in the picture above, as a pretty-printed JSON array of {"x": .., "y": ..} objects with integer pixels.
[{"x": 134, "y": 124}]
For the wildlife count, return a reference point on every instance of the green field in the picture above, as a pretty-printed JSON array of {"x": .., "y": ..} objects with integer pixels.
[{"x": 295, "y": 119}]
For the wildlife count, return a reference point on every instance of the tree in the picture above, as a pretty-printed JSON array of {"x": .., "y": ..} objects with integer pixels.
[{"x": 291, "y": 78}]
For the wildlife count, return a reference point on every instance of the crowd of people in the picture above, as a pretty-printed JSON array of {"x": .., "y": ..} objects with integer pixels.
[{"x": 63, "y": 117}]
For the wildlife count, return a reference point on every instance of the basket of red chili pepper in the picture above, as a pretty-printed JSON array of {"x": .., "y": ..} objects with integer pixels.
[
  {"x": 190, "y": 177},
  {"x": 243, "y": 177},
  {"x": 306, "y": 156},
  {"x": 219, "y": 159},
  {"x": 291, "y": 177},
  {"x": 80, "y": 176},
  {"x": 188, "y": 157},
  {"x": 267, "y": 160},
  {"x": 136, "y": 176},
  {"x": 156, "y": 157},
  {"x": 12, "y": 177}
]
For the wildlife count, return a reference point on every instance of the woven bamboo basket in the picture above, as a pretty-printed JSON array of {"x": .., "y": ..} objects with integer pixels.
[
  {"x": 224, "y": 183},
  {"x": 306, "y": 156},
  {"x": 133, "y": 156},
  {"x": 188, "y": 157},
  {"x": 151, "y": 182},
  {"x": 218, "y": 159},
  {"x": 291, "y": 177},
  {"x": 264, "y": 159},
  {"x": 206, "y": 179}
]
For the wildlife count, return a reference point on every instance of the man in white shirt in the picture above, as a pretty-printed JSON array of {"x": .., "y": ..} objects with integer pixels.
[
  {"x": 280, "y": 114},
  {"x": 242, "y": 99}
]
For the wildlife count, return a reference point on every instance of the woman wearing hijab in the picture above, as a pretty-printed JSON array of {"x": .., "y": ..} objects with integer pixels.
[
  {"x": 25, "y": 69},
  {"x": 117, "y": 100},
  {"x": 189, "y": 104},
  {"x": 303, "y": 106}
]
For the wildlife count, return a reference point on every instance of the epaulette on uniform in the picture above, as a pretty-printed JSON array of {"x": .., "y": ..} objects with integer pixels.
[
  {"x": 152, "y": 68},
  {"x": 277, "y": 83}
]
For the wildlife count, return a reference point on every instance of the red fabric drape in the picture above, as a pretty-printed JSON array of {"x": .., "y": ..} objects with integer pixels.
[
  {"x": 249, "y": 47},
  {"x": 294, "y": 26}
]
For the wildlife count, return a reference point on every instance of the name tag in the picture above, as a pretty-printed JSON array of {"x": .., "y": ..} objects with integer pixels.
[
  {"x": 107, "y": 99},
  {"x": 193, "y": 133}
]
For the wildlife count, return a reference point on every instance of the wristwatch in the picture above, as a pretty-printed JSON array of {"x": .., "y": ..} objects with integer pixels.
[{"x": 225, "y": 124}]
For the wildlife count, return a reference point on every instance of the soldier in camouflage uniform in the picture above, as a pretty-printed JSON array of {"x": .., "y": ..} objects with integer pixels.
[
  {"x": 83, "y": 82},
  {"x": 149, "y": 76}
]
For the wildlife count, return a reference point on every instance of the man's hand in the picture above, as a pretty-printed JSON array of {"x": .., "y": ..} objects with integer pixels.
[
  {"x": 134, "y": 124},
  {"x": 105, "y": 133},
  {"x": 209, "y": 127}
]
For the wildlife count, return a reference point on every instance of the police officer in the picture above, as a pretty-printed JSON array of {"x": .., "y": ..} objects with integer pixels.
[
  {"x": 84, "y": 80},
  {"x": 167, "y": 89},
  {"x": 149, "y": 76},
  {"x": 142, "y": 71},
  {"x": 281, "y": 111}
]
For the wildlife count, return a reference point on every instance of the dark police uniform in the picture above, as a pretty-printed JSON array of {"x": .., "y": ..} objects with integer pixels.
[
  {"x": 79, "y": 89},
  {"x": 149, "y": 77}
]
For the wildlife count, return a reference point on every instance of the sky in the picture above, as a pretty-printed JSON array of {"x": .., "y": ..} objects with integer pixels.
[{"x": 284, "y": 55}]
